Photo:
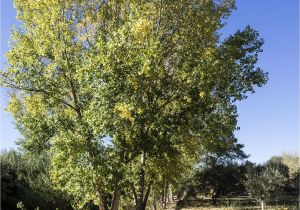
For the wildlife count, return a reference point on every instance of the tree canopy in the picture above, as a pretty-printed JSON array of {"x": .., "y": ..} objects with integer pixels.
[{"x": 152, "y": 76}]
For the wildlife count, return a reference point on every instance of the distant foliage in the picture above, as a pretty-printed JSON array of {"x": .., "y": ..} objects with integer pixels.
[
  {"x": 292, "y": 161},
  {"x": 25, "y": 181},
  {"x": 288, "y": 164},
  {"x": 220, "y": 173},
  {"x": 264, "y": 184}
]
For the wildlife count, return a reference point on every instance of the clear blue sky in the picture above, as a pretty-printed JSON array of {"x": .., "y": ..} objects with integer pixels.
[{"x": 269, "y": 119}]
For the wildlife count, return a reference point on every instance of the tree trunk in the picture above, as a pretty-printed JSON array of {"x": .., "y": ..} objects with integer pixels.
[
  {"x": 103, "y": 204},
  {"x": 140, "y": 205},
  {"x": 165, "y": 194},
  {"x": 184, "y": 194},
  {"x": 170, "y": 194},
  {"x": 116, "y": 199},
  {"x": 262, "y": 204},
  {"x": 154, "y": 201},
  {"x": 148, "y": 193},
  {"x": 163, "y": 198},
  {"x": 214, "y": 200},
  {"x": 140, "y": 194}
]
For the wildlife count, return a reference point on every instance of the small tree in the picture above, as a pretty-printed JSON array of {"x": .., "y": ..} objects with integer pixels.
[
  {"x": 219, "y": 172},
  {"x": 264, "y": 183}
]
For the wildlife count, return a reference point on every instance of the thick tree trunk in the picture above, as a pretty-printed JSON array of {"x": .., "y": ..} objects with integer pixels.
[
  {"x": 101, "y": 207},
  {"x": 116, "y": 199},
  {"x": 103, "y": 204},
  {"x": 147, "y": 193},
  {"x": 165, "y": 194},
  {"x": 140, "y": 193},
  {"x": 139, "y": 205},
  {"x": 142, "y": 196}
]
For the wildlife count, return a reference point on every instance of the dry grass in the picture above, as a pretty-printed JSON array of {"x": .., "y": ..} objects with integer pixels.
[
  {"x": 205, "y": 208},
  {"x": 244, "y": 208}
]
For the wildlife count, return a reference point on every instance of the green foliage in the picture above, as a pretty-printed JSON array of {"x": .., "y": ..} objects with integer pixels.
[
  {"x": 292, "y": 161},
  {"x": 277, "y": 163},
  {"x": 219, "y": 172},
  {"x": 20, "y": 205},
  {"x": 288, "y": 165},
  {"x": 151, "y": 75},
  {"x": 265, "y": 183},
  {"x": 221, "y": 180},
  {"x": 25, "y": 181}
]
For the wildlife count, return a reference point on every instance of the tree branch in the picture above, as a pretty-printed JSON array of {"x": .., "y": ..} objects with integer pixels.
[
  {"x": 147, "y": 192},
  {"x": 13, "y": 86},
  {"x": 134, "y": 192}
]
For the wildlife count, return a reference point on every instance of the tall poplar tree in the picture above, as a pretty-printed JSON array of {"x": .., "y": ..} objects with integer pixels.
[{"x": 120, "y": 92}]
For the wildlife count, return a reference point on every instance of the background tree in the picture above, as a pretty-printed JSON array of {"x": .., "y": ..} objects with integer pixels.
[
  {"x": 288, "y": 165},
  {"x": 264, "y": 183},
  {"x": 25, "y": 178},
  {"x": 151, "y": 75},
  {"x": 291, "y": 160},
  {"x": 221, "y": 170}
]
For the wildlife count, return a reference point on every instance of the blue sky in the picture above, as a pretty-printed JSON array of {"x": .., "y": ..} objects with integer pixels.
[{"x": 269, "y": 119}]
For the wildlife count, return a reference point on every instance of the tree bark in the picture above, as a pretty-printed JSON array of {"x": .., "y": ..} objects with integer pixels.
[
  {"x": 147, "y": 194},
  {"x": 262, "y": 204},
  {"x": 103, "y": 204},
  {"x": 163, "y": 198},
  {"x": 170, "y": 194},
  {"x": 116, "y": 199},
  {"x": 154, "y": 201},
  {"x": 164, "y": 194},
  {"x": 140, "y": 194},
  {"x": 143, "y": 194}
]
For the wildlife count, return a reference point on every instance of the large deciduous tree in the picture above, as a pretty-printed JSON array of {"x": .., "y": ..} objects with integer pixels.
[{"x": 153, "y": 76}]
